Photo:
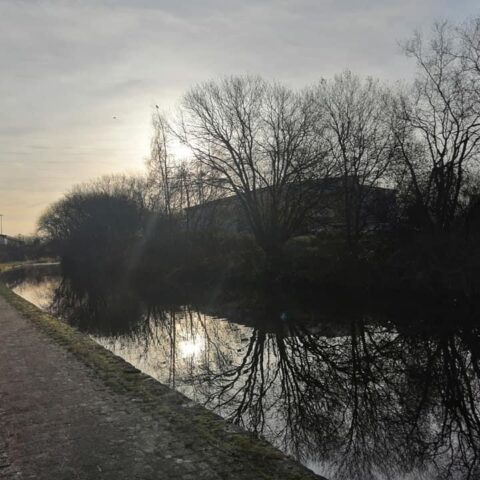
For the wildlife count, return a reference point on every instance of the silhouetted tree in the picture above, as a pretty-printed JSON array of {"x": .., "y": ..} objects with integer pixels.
[
  {"x": 95, "y": 227},
  {"x": 437, "y": 122},
  {"x": 265, "y": 144},
  {"x": 175, "y": 185},
  {"x": 361, "y": 144}
]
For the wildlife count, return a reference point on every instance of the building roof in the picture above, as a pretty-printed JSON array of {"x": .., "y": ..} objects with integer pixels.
[{"x": 325, "y": 185}]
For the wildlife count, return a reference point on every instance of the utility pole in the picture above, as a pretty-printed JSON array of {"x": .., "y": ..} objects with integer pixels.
[{"x": 1, "y": 224}]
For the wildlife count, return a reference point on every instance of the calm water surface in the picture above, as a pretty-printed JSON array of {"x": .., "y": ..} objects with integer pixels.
[{"x": 350, "y": 396}]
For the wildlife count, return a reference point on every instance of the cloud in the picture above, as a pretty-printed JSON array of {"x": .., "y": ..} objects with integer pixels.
[{"x": 69, "y": 66}]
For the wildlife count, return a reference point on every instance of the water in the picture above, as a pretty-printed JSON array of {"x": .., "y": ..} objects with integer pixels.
[{"x": 352, "y": 395}]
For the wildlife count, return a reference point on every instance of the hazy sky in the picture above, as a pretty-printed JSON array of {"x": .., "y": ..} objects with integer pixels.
[{"x": 68, "y": 67}]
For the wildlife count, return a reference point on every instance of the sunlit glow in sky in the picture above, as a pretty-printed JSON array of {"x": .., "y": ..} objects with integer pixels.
[{"x": 80, "y": 80}]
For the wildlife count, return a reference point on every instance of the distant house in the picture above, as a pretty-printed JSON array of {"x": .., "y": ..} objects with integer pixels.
[
  {"x": 6, "y": 240},
  {"x": 377, "y": 208}
]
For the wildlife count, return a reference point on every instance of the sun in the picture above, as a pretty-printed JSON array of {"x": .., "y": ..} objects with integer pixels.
[{"x": 180, "y": 151}]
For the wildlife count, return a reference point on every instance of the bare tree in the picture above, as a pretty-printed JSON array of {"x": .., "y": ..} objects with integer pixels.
[
  {"x": 437, "y": 122},
  {"x": 133, "y": 187},
  {"x": 175, "y": 185},
  {"x": 361, "y": 144},
  {"x": 195, "y": 187},
  {"x": 263, "y": 142},
  {"x": 468, "y": 47},
  {"x": 159, "y": 166}
]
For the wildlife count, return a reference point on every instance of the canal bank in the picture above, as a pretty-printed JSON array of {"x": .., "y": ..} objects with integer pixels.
[{"x": 71, "y": 409}]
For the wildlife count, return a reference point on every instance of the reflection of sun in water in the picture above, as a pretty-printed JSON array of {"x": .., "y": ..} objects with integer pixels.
[{"x": 191, "y": 347}]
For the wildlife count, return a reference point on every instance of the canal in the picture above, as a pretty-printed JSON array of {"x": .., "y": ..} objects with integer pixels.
[{"x": 353, "y": 394}]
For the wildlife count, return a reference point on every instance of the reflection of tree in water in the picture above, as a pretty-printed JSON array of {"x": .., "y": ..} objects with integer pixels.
[
  {"x": 177, "y": 345},
  {"x": 365, "y": 402},
  {"x": 35, "y": 284},
  {"x": 105, "y": 311},
  {"x": 196, "y": 343},
  {"x": 375, "y": 403},
  {"x": 444, "y": 376}
]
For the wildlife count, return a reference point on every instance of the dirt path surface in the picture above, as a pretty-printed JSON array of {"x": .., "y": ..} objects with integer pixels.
[{"x": 63, "y": 417}]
